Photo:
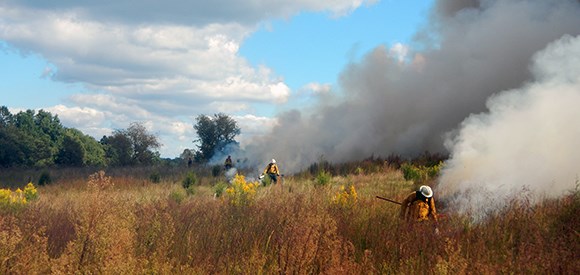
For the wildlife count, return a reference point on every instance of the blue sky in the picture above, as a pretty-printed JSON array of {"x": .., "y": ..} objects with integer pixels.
[
  {"x": 313, "y": 47},
  {"x": 23, "y": 84},
  {"x": 100, "y": 68}
]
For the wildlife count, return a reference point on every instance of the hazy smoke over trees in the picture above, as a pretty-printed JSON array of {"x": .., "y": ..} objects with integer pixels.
[{"x": 470, "y": 50}]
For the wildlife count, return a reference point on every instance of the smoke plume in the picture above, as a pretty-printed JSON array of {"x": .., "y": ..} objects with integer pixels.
[
  {"x": 527, "y": 144},
  {"x": 470, "y": 52}
]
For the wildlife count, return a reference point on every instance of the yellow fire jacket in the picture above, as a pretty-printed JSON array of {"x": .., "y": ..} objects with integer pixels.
[
  {"x": 413, "y": 208},
  {"x": 272, "y": 168}
]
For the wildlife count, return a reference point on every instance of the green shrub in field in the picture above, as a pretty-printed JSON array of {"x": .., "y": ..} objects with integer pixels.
[
  {"x": 410, "y": 172},
  {"x": 420, "y": 173},
  {"x": 189, "y": 183},
  {"x": 191, "y": 190},
  {"x": 323, "y": 178},
  {"x": 266, "y": 180},
  {"x": 44, "y": 178},
  {"x": 155, "y": 177},
  {"x": 216, "y": 170},
  {"x": 177, "y": 195},
  {"x": 189, "y": 180},
  {"x": 220, "y": 188}
]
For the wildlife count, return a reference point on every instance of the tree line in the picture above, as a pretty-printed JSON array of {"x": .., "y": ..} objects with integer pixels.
[{"x": 38, "y": 139}]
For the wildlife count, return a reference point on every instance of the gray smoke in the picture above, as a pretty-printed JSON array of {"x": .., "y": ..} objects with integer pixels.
[
  {"x": 470, "y": 50},
  {"x": 527, "y": 145},
  {"x": 230, "y": 174}
]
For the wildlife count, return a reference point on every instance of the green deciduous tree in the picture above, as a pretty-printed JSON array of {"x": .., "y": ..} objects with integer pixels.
[
  {"x": 5, "y": 117},
  {"x": 78, "y": 149},
  {"x": 118, "y": 149},
  {"x": 131, "y": 146},
  {"x": 12, "y": 150},
  {"x": 94, "y": 151},
  {"x": 143, "y": 143},
  {"x": 29, "y": 138},
  {"x": 72, "y": 152},
  {"x": 38, "y": 139},
  {"x": 215, "y": 134}
]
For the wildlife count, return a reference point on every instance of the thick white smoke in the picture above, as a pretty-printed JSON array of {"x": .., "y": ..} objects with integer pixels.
[
  {"x": 527, "y": 144},
  {"x": 470, "y": 50}
]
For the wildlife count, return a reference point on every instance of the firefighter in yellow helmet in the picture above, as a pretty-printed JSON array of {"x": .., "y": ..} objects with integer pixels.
[
  {"x": 272, "y": 171},
  {"x": 419, "y": 205}
]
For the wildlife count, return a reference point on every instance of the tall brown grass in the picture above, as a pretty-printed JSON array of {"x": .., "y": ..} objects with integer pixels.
[{"x": 119, "y": 225}]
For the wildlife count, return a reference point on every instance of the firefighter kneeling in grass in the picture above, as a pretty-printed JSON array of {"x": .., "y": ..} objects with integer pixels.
[{"x": 419, "y": 205}]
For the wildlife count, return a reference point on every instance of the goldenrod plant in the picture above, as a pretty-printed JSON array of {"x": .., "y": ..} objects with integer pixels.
[
  {"x": 346, "y": 197},
  {"x": 241, "y": 192},
  {"x": 19, "y": 196}
]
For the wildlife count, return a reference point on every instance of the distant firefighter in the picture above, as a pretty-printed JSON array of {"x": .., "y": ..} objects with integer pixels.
[
  {"x": 272, "y": 171},
  {"x": 228, "y": 163},
  {"x": 419, "y": 205}
]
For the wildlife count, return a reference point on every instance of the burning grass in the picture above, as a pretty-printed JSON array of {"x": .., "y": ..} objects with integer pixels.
[{"x": 117, "y": 225}]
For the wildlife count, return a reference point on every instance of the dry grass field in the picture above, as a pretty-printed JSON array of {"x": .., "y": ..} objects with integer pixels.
[{"x": 127, "y": 224}]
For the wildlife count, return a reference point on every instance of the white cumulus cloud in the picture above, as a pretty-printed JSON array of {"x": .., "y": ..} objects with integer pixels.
[{"x": 155, "y": 62}]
